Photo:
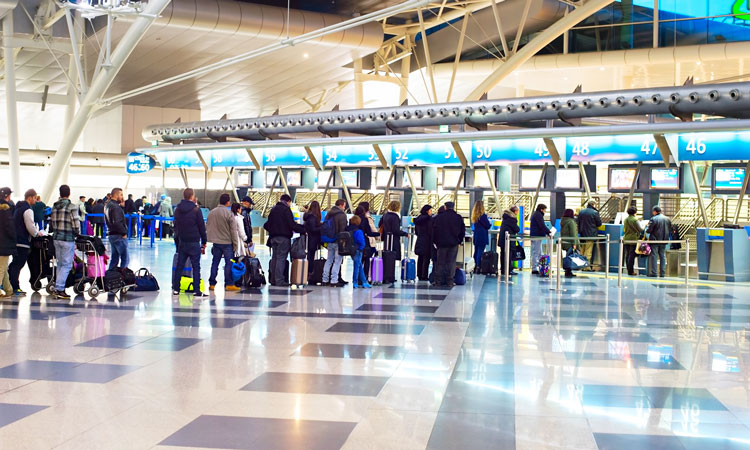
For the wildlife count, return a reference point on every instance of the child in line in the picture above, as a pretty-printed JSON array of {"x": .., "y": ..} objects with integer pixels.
[{"x": 359, "y": 279}]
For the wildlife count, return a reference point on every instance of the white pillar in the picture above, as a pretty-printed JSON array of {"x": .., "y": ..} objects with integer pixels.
[
  {"x": 10, "y": 106},
  {"x": 97, "y": 89},
  {"x": 70, "y": 110}
]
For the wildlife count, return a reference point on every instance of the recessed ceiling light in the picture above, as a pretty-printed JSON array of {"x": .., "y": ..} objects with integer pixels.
[{"x": 305, "y": 55}]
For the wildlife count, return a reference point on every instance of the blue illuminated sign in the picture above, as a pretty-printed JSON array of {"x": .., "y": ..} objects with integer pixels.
[
  {"x": 424, "y": 153},
  {"x": 725, "y": 146},
  {"x": 512, "y": 150},
  {"x": 139, "y": 163},
  {"x": 236, "y": 157},
  {"x": 640, "y": 147},
  {"x": 287, "y": 157},
  {"x": 179, "y": 160},
  {"x": 348, "y": 155}
]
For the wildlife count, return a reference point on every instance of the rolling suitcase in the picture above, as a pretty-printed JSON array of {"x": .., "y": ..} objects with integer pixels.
[
  {"x": 300, "y": 267},
  {"x": 408, "y": 267},
  {"x": 253, "y": 277},
  {"x": 376, "y": 270},
  {"x": 389, "y": 261},
  {"x": 316, "y": 274},
  {"x": 488, "y": 264}
]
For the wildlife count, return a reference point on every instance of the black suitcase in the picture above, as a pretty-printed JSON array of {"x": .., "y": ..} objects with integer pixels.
[
  {"x": 272, "y": 274},
  {"x": 488, "y": 263},
  {"x": 316, "y": 272},
  {"x": 389, "y": 261},
  {"x": 253, "y": 277}
]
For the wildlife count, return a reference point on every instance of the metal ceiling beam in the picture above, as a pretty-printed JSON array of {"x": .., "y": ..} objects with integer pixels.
[
  {"x": 536, "y": 44},
  {"x": 10, "y": 107},
  {"x": 98, "y": 88}
]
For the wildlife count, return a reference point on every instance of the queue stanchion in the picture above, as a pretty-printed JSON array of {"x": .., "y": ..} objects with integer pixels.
[
  {"x": 619, "y": 263},
  {"x": 606, "y": 258},
  {"x": 687, "y": 261},
  {"x": 558, "y": 281},
  {"x": 506, "y": 258}
]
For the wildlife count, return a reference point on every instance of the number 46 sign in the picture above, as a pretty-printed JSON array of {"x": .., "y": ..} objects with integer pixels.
[{"x": 725, "y": 146}]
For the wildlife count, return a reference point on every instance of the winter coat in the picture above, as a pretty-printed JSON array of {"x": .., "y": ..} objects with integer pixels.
[
  {"x": 391, "y": 225},
  {"x": 448, "y": 229},
  {"x": 589, "y": 222},
  {"x": 509, "y": 225},
  {"x": 7, "y": 231},
  {"x": 569, "y": 233},
  {"x": 312, "y": 228},
  {"x": 221, "y": 227},
  {"x": 189, "y": 226},
  {"x": 537, "y": 227},
  {"x": 632, "y": 230},
  {"x": 659, "y": 228},
  {"x": 281, "y": 222},
  {"x": 368, "y": 229},
  {"x": 482, "y": 231},
  {"x": 357, "y": 235},
  {"x": 423, "y": 230}
]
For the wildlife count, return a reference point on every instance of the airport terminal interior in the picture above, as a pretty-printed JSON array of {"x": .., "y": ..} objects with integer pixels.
[{"x": 366, "y": 225}]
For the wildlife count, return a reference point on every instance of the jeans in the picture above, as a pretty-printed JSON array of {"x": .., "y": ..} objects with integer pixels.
[
  {"x": 536, "y": 254},
  {"x": 64, "y": 253},
  {"x": 219, "y": 251},
  {"x": 630, "y": 256},
  {"x": 358, "y": 278},
  {"x": 659, "y": 250},
  {"x": 366, "y": 256},
  {"x": 423, "y": 267},
  {"x": 191, "y": 250},
  {"x": 119, "y": 246},
  {"x": 478, "y": 252},
  {"x": 446, "y": 266},
  {"x": 14, "y": 269},
  {"x": 333, "y": 264},
  {"x": 280, "y": 247}
]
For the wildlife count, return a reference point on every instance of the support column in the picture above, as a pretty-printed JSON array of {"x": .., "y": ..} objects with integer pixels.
[
  {"x": 97, "y": 89},
  {"x": 405, "y": 70},
  {"x": 358, "y": 91},
  {"x": 70, "y": 110},
  {"x": 10, "y": 105}
]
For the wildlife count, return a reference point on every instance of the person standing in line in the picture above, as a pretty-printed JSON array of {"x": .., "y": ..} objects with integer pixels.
[
  {"x": 632, "y": 231},
  {"x": 589, "y": 222},
  {"x": 538, "y": 229},
  {"x": 98, "y": 220},
  {"x": 332, "y": 268},
  {"x": 359, "y": 280},
  {"x": 448, "y": 233},
  {"x": 39, "y": 209},
  {"x": 240, "y": 237},
  {"x": 482, "y": 226},
  {"x": 247, "y": 208},
  {"x": 510, "y": 226},
  {"x": 129, "y": 208},
  {"x": 392, "y": 232},
  {"x": 117, "y": 230},
  {"x": 281, "y": 226},
  {"x": 312, "y": 220},
  {"x": 221, "y": 229},
  {"x": 139, "y": 204},
  {"x": 82, "y": 211},
  {"x": 7, "y": 241},
  {"x": 190, "y": 239},
  {"x": 569, "y": 235},
  {"x": 659, "y": 229},
  {"x": 23, "y": 218},
  {"x": 367, "y": 225},
  {"x": 423, "y": 247},
  {"x": 66, "y": 227}
]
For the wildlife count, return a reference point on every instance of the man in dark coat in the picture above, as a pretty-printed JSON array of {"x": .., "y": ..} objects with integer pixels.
[
  {"x": 589, "y": 222},
  {"x": 510, "y": 226},
  {"x": 191, "y": 240},
  {"x": 281, "y": 227},
  {"x": 7, "y": 241},
  {"x": 449, "y": 231}
]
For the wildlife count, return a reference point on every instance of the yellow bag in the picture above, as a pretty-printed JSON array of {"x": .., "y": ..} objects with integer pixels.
[{"x": 186, "y": 285}]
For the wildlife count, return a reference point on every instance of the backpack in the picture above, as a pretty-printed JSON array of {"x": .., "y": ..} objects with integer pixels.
[
  {"x": 328, "y": 230},
  {"x": 345, "y": 243}
]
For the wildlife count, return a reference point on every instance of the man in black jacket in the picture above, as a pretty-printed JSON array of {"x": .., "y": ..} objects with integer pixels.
[
  {"x": 280, "y": 227},
  {"x": 117, "y": 230},
  {"x": 190, "y": 238},
  {"x": 449, "y": 232},
  {"x": 589, "y": 222},
  {"x": 129, "y": 208},
  {"x": 247, "y": 207}
]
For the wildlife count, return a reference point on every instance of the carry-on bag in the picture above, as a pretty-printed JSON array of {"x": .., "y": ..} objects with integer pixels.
[
  {"x": 376, "y": 269},
  {"x": 574, "y": 261},
  {"x": 488, "y": 263},
  {"x": 145, "y": 281},
  {"x": 408, "y": 266},
  {"x": 459, "y": 279},
  {"x": 389, "y": 261},
  {"x": 300, "y": 265},
  {"x": 254, "y": 276}
]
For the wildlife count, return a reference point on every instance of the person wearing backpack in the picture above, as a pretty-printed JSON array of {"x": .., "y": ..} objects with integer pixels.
[
  {"x": 334, "y": 224},
  {"x": 281, "y": 227},
  {"x": 359, "y": 279}
]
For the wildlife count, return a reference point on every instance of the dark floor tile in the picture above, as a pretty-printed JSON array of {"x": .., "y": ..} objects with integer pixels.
[
  {"x": 482, "y": 397},
  {"x": 398, "y": 308},
  {"x": 113, "y": 341},
  {"x": 35, "y": 314},
  {"x": 638, "y": 359},
  {"x": 168, "y": 343},
  {"x": 375, "y": 328},
  {"x": 352, "y": 351},
  {"x": 295, "y": 292},
  {"x": 258, "y": 433},
  {"x": 421, "y": 287},
  {"x": 11, "y": 412},
  {"x": 607, "y": 441},
  {"x": 251, "y": 303},
  {"x": 683, "y": 398},
  {"x": 472, "y": 431},
  {"x": 66, "y": 371},
  {"x": 713, "y": 443},
  {"x": 197, "y": 321},
  {"x": 410, "y": 296},
  {"x": 702, "y": 296},
  {"x": 308, "y": 383}
]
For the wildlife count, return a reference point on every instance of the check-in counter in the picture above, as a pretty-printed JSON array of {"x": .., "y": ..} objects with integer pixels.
[{"x": 723, "y": 254}]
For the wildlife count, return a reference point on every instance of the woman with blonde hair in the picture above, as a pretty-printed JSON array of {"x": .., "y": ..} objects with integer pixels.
[{"x": 481, "y": 226}]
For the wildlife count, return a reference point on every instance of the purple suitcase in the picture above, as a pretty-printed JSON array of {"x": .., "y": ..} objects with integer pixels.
[{"x": 376, "y": 270}]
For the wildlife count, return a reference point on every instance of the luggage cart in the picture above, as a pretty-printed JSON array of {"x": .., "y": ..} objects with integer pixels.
[
  {"x": 40, "y": 263},
  {"x": 93, "y": 268}
]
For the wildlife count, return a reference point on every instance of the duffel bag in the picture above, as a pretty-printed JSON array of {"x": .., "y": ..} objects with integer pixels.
[{"x": 145, "y": 281}]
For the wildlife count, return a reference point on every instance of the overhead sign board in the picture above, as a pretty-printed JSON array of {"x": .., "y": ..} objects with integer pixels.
[
  {"x": 139, "y": 163},
  {"x": 719, "y": 146},
  {"x": 180, "y": 160},
  {"x": 530, "y": 150},
  {"x": 287, "y": 157},
  {"x": 347, "y": 155},
  {"x": 424, "y": 153},
  {"x": 238, "y": 157},
  {"x": 635, "y": 147}
]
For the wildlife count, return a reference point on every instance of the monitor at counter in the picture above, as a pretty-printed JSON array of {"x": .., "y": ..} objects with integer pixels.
[
  {"x": 727, "y": 178},
  {"x": 663, "y": 179},
  {"x": 568, "y": 179},
  {"x": 621, "y": 179},
  {"x": 529, "y": 179}
]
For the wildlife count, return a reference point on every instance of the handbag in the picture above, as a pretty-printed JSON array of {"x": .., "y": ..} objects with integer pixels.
[
  {"x": 642, "y": 248},
  {"x": 145, "y": 281},
  {"x": 238, "y": 269},
  {"x": 517, "y": 253},
  {"x": 574, "y": 261}
]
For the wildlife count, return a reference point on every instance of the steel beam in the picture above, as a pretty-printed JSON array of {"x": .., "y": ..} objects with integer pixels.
[
  {"x": 345, "y": 188},
  {"x": 699, "y": 191},
  {"x": 428, "y": 59},
  {"x": 537, "y": 43},
  {"x": 97, "y": 89},
  {"x": 282, "y": 178},
  {"x": 585, "y": 180},
  {"x": 459, "y": 48},
  {"x": 742, "y": 194},
  {"x": 539, "y": 185},
  {"x": 633, "y": 185},
  {"x": 500, "y": 32},
  {"x": 11, "y": 108},
  {"x": 521, "y": 25}
]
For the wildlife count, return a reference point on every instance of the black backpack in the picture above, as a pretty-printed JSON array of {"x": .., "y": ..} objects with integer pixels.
[{"x": 345, "y": 243}]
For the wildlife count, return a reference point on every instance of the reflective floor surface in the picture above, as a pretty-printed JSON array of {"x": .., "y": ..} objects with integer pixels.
[{"x": 652, "y": 365}]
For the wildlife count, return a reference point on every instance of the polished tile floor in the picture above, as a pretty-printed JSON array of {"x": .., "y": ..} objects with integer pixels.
[{"x": 487, "y": 365}]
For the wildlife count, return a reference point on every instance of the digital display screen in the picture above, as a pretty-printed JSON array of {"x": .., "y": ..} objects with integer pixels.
[
  {"x": 568, "y": 179},
  {"x": 294, "y": 178},
  {"x": 729, "y": 178},
  {"x": 416, "y": 175},
  {"x": 323, "y": 178},
  {"x": 660, "y": 353},
  {"x": 481, "y": 180},
  {"x": 665, "y": 179},
  {"x": 270, "y": 177},
  {"x": 721, "y": 362},
  {"x": 450, "y": 177},
  {"x": 381, "y": 178},
  {"x": 621, "y": 179},
  {"x": 350, "y": 178},
  {"x": 530, "y": 178}
]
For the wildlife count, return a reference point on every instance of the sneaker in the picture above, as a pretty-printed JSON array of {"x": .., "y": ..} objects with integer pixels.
[
  {"x": 212, "y": 287},
  {"x": 19, "y": 293},
  {"x": 62, "y": 295},
  {"x": 200, "y": 295},
  {"x": 342, "y": 281},
  {"x": 356, "y": 286},
  {"x": 366, "y": 286},
  {"x": 232, "y": 288},
  {"x": 535, "y": 272},
  {"x": 340, "y": 284},
  {"x": 175, "y": 292}
]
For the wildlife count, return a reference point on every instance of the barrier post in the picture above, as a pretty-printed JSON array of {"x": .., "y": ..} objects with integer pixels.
[
  {"x": 606, "y": 258},
  {"x": 619, "y": 262},
  {"x": 687, "y": 261},
  {"x": 559, "y": 263},
  {"x": 506, "y": 258}
]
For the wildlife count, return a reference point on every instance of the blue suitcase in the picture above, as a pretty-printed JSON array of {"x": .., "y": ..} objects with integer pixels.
[{"x": 408, "y": 269}]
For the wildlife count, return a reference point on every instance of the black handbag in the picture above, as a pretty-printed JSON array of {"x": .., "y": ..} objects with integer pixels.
[{"x": 517, "y": 253}]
